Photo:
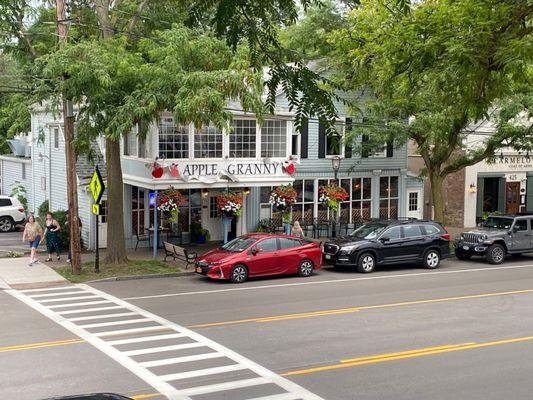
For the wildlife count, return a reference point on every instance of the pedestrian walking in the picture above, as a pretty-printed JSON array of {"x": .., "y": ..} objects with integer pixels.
[
  {"x": 297, "y": 230},
  {"x": 52, "y": 237},
  {"x": 32, "y": 233}
]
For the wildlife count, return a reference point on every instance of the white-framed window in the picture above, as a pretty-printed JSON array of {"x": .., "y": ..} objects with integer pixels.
[
  {"x": 335, "y": 141},
  {"x": 380, "y": 152},
  {"x": 303, "y": 209},
  {"x": 361, "y": 199},
  {"x": 208, "y": 142},
  {"x": 274, "y": 138},
  {"x": 173, "y": 140},
  {"x": 388, "y": 197},
  {"x": 243, "y": 138},
  {"x": 56, "y": 138},
  {"x": 413, "y": 201},
  {"x": 213, "y": 209},
  {"x": 133, "y": 144}
]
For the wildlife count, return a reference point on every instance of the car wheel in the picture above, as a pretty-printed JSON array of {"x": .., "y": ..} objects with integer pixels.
[
  {"x": 306, "y": 268},
  {"x": 6, "y": 224},
  {"x": 239, "y": 273},
  {"x": 366, "y": 263},
  {"x": 462, "y": 255},
  {"x": 495, "y": 254},
  {"x": 431, "y": 259}
]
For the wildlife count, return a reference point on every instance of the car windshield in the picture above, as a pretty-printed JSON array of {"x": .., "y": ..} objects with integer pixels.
[
  {"x": 368, "y": 231},
  {"x": 498, "y": 223},
  {"x": 239, "y": 244}
]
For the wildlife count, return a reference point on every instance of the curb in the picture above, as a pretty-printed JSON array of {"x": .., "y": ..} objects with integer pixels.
[{"x": 135, "y": 277}]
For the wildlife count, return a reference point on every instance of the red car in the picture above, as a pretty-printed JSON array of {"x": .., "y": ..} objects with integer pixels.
[{"x": 260, "y": 254}]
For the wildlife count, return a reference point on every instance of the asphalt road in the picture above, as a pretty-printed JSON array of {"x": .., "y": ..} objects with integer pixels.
[
  {"x": 12, "y": 241},
  {"x": 463, "y": 331}
]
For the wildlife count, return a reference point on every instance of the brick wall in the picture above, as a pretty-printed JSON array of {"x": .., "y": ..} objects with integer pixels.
[{"x": 454, "y": 197}]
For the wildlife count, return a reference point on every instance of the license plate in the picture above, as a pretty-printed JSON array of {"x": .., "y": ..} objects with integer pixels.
[
  {"x": 327, "y": 256},
  {"x": 199, "y": 270},
  {"x": 466, "y": 248}
]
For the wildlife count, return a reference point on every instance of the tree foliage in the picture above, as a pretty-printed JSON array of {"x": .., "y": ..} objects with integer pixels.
[{"x": 436, "y": 70}]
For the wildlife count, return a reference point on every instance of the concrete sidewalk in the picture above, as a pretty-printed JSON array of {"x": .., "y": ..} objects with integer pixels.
[{"x": 16, "y": 274}]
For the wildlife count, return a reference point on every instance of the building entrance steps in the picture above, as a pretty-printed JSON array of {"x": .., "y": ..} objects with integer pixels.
[{"x": 16, "y": 274}]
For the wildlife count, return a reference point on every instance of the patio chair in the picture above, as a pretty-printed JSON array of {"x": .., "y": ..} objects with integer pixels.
[{"x": 143, "y": 237}]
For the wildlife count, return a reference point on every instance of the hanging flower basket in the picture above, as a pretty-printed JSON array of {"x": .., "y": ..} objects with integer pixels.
[
  {"x": 229, "y": 204},
  {"x": 169, "y": 201},
  {"x": 283, "y": 197},
  {"x": 331, "y": 195}
]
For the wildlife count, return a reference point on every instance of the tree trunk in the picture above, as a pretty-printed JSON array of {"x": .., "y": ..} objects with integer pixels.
[
  {"x": 437, "y": 181},
  {"x": 116, "y": 244}
]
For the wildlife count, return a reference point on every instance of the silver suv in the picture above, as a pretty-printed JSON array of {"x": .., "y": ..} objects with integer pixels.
[
  {"x": 497, "y": 237},
  {"x": 11, "y": 213}
]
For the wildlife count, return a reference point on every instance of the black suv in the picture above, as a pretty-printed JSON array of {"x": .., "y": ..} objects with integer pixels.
[{"x": 390, "y": 242}]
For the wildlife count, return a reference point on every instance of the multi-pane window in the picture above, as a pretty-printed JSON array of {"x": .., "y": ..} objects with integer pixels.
[
  {"x": 208, "y": 142},
  {"x": 242, "y": 139},
  {"x": 137, "y": 210},
  {"x": 413, "y": 201},
  {"x": 274, "y": 138},
  {"x": 213, "y": 210},
  {"x": 173, "y": 140},
  {"x": 361, "y": 199},
  {"x": 334, "y": 142},
  {"x": 388, "y": 197},
  {"x": 265, "y": 208},
  {"x": 302, "y": 210},
  {"x": 130, "y": 144}
]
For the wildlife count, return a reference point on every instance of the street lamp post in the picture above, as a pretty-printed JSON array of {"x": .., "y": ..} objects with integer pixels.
[{"x": 335, "y": 164}]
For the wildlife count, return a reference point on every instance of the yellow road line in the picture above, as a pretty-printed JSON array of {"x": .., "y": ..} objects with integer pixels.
[
  {"x": 145, "y": 396},
  {"x": 355, "y": 309},
  {"x": 39, "y": 345},
  {"x": 404, "y": 354}
]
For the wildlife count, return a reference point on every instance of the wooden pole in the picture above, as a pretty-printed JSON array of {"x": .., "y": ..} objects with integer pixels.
[{"x": 68, "y": 132}]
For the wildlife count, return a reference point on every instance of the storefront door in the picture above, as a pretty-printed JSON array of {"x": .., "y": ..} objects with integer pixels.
[
  {"x": 414, "y": 204},
  {"x": 512, "y": 197}
]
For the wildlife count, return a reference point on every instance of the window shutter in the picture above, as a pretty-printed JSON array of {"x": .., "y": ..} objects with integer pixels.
[
  {"x": 321, "y": 140},
  {"x": 390, "y": 148},
  {"x": 304, "y": 139},
  {"x": 347, "y": 131},
  {"x": 364, "y": 150}
]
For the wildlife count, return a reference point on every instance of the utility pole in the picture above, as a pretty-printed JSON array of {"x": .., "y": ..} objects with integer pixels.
[{"x": 68, "y": 124}]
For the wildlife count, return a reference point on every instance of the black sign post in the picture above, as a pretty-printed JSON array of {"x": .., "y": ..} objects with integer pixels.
[{"x": 97, "y": 187}]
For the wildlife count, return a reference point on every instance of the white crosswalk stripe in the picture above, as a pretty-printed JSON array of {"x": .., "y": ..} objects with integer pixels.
[{"x": 169, "y": 351}]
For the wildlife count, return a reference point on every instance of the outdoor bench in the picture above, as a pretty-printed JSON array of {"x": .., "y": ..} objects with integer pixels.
[{"x": 179, "y": 253}]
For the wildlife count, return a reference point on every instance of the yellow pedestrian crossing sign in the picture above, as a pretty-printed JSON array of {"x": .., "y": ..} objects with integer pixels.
[
  {"x": 96, "y": 209},
  {"x": 97, "y": 186}
]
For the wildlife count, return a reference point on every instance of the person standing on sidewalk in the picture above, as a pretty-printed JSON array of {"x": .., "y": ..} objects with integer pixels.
[
  {"x": 52, "y": 236},
  {"x": 32, "y": 233}
]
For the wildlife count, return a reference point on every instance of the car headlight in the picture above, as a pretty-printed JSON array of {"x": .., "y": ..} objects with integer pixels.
[
  {"x": 213, "y": 263},
  {"x": 482, "y": 238},
  {"x": 349, "y": 249}
]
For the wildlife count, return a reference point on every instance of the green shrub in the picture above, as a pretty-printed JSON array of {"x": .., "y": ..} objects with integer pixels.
[{"x": 13, "y": 254}]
